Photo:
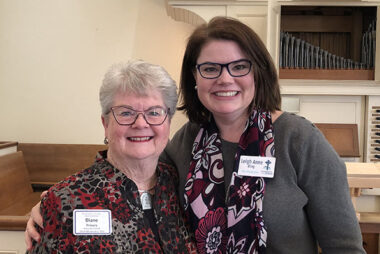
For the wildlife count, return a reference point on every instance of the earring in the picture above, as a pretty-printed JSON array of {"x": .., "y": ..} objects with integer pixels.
[
  {"x": 195, "y": 87},
  {"x": 105, "y": 141}
]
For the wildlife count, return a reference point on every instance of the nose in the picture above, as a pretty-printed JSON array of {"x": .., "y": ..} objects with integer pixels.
[{"x": 140, "y": 121}]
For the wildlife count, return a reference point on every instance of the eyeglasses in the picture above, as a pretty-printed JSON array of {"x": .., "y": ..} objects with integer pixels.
[
  {"x": 125, "y": 115},
  {"x": 237, "y": 68}
]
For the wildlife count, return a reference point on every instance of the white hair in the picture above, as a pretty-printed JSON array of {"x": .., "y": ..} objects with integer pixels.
[{"x": 138, "y": 77}]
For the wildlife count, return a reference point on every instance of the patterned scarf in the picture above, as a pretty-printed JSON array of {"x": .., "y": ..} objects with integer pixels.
[{"x": 235, "y": 224}]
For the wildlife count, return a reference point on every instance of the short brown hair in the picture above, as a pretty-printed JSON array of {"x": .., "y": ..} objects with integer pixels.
[{"x": 267, "y": 91}]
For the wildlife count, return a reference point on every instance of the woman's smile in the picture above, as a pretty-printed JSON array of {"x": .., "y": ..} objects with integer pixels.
[
  {"x": 140, "y": 139},
  {"x": 226, "y": 93}
]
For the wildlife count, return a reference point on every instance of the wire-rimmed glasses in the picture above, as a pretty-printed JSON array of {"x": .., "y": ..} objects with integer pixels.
[
  {"x": 125, "y": 115},
  {"x": 238, "y": 68}
]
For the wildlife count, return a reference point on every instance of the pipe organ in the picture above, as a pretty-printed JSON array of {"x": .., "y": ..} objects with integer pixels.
[{"x": 298, "y": 53}]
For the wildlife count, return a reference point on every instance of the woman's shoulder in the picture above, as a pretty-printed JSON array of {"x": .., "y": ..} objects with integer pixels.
[
  {"x": 297, "y": 131},
  {"x": 86, "y": 183},
  {"x": 292, "y": 123},
  {"x": 185, "y": 135},
  {"x": 189, "y": 129},
  {"x": 178, "y": 149},
  {"x": 291, "y": 119},
  {"x": 80, "y": 180},
  {"x": 166, "y": 169}
]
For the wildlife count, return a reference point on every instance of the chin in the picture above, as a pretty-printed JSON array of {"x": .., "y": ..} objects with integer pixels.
[
  {"x": 226, "y": 111},
  {"x": 142, "y": 156}
]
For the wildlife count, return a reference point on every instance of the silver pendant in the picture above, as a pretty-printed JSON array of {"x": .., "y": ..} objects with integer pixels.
[{"x": 146, "y": 200}]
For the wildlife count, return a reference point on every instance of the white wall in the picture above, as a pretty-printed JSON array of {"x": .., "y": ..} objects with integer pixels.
[
  {"x": 54, "y": 53},
  {"x": 161, "y": 40}
]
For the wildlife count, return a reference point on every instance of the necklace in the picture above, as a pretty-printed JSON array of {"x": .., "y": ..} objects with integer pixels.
[
  {"x": 146, "y": 198},
  {"x": 146, "y": 201},
  {"x": 148, "y": 190}
]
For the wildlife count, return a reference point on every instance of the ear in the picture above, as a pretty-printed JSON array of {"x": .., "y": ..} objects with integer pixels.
[
  {"x": 105, "y": 125},
  {"x": 104, "y": 122}
]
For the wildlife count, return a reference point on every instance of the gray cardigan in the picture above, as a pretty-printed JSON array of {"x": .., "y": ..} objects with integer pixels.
[{"x": 308, "y": 199}]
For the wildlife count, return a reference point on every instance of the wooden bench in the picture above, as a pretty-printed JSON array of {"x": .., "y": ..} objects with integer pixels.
[
  {"x": 17, "y": 196},
  {"x": 50, "y": 163},
  {"x": 36, "y": 166}
]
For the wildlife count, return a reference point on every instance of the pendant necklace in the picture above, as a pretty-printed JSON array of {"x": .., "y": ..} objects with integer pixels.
[{"x": 146, "y": 198}]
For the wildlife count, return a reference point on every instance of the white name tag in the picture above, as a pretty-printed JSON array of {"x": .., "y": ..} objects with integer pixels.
[
  {"x": 92, "y": 222},
  {"x": 257, "y": 166}
]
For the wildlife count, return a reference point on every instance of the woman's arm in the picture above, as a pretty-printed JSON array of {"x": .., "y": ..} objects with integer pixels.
[
  {"x": 31, "y": 232},
  {"x": 53, "y": 233},
  {"x": 322, "y": 176}
]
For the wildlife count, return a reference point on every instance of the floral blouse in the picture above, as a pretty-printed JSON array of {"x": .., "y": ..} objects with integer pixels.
[{"x": 102, "y": 186}]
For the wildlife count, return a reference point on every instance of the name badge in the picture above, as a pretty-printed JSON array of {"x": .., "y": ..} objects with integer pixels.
[
  {"x": 92, "y": 222},
  {"x": 256, "y": 166}
]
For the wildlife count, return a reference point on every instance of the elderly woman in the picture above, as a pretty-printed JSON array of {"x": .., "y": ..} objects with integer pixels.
[{"x": 126, "y": 202}]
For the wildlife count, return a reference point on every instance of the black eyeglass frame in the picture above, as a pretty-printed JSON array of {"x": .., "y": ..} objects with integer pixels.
[
  {"x": 137, "y": 115},
  {"x": 198, "y": 66}
]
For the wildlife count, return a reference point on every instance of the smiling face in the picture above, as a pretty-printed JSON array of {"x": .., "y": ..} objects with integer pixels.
[
  {"x": 225, "y": 96},
  {"x": 139, "y": 140}
]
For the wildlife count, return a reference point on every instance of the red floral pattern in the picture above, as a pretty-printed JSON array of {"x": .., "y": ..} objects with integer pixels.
[
  {"x": 234, "y": 224},
  {"x": 211, "y": 232},
  {"x": 104, "y": 187}
]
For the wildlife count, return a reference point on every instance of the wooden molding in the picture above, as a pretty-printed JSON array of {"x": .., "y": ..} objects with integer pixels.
[
  {"x": 5, "y": 144},
  {"x": 326, "y": 74}
]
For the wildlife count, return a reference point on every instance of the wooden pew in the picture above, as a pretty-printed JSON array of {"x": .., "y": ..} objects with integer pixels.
[
  {"x": 17, "y": 196},
  {"x": 50, "y": 163},
  {"x": 36, "y": 164}
]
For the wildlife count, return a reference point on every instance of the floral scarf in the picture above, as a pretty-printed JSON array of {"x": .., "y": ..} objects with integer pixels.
[{"x": 234, "y": 224}]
